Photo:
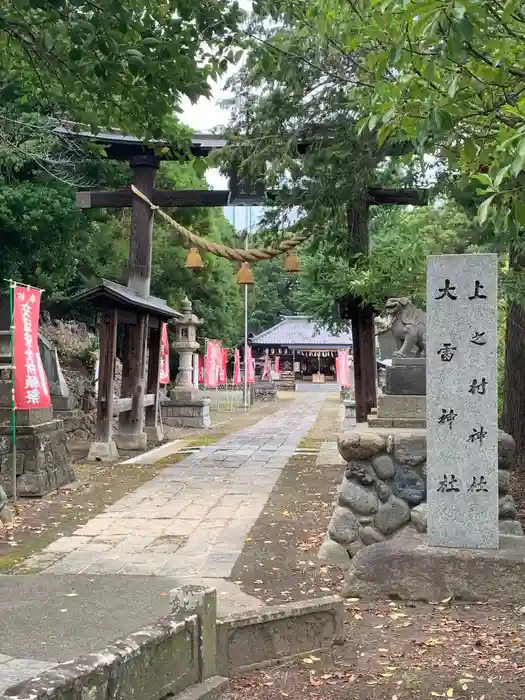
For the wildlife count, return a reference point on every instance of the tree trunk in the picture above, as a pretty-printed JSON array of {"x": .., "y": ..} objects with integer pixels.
[{"x": 513, "y": 414}]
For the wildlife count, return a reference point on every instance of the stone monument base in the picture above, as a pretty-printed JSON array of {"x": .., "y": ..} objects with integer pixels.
[
  {"x": 186, "y": 412},
  {"x": 407, "y": 376},
  {"x": 399, "y": 411},
  {"x": 383, "y": 491},
  {"x": 103, "y": 452},
  {"x": 407, "y": 568},
  {"x": 42, "y": 459}
]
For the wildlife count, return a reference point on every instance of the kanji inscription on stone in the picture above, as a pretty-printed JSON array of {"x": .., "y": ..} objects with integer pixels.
[{"x": 462, "y": 418}]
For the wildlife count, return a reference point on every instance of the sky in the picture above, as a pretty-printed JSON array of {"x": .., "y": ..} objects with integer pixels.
[{"x": 206, "y": 116}]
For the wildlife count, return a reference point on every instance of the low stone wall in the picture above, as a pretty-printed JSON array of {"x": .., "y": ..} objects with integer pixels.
[
  {"x": 190, "y": 651},
  {"x": 148, "y": 665},
  {"x": 250, "y": 640},
  {"x": 383, "y": 491}
]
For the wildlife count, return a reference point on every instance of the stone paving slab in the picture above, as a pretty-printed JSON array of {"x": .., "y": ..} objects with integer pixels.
[{"x": 194, "y": 516}]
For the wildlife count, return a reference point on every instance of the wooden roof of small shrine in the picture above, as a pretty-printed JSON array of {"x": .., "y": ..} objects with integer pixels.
[{"x": 110, "y": 294}]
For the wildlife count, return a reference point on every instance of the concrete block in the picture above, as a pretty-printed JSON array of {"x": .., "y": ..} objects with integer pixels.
[
  {"x": 103, "y": 452},
  {"x": 257, "y": 638},
  {"x": 200, "y": 601},
  {"x": 131, "y": 441}
]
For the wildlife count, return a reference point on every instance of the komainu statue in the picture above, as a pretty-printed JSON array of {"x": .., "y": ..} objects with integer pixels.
[{"x": 408, "y": 326}]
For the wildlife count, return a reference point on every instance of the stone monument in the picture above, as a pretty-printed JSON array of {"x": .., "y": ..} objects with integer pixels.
[
  {"x": 402, "y": 405},
  {"x": 400, "y": 480},
  {"x": 462, "y": 401},
  {"x": 186, "y": 407}
]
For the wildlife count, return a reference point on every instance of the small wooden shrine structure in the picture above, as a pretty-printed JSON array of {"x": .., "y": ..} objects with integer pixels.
[{"x": 130, "y": 329}]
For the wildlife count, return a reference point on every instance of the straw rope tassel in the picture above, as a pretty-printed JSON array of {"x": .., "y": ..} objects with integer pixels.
[{"x": 224, "y": 251}]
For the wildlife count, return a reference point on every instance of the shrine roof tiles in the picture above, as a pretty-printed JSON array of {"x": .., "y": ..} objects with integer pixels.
[
  {"x": 111, "y": 293},
  {"x": 302, "y": 332}
]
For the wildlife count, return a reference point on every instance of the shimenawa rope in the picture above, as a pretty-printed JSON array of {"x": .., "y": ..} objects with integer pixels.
[{"x": 224, "y": 251}]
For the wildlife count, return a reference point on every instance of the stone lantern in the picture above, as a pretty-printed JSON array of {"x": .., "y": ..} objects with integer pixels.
[
  {"x": 186, "y": 345},
  {"x": 186, "y": 407}
]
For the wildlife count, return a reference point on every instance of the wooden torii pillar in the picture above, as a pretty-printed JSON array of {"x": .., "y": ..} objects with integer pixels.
[{"x": 362, "y": 315}]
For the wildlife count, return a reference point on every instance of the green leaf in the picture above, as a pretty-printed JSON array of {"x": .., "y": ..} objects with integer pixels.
[
  {"x": 453, "y": 87},
  {"x": 484, "y": 209},
  {"x": 501, "y": 175},
  {"x": 517, "y": 165},
  {"x": 519, "y": 209}
]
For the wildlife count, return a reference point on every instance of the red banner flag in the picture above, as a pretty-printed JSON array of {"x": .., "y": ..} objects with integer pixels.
[
  {"x": 267, "y": 367},
  {"x": 164, "y": 364},
  {"x": 31, "y": 387},
  {"x": 201, "y": 369},
  {"x": 236, "y": 367},
  {"x": 223, "y": 374},
  {"x": 342, "y": 369},
  {"x": 249, "y": 366},
  {"x": 277, "y": 366},
  {"x": 213, "y": 363}
]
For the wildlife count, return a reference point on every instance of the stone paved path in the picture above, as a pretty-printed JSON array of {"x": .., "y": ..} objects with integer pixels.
[{"x": 191, "y": 520}]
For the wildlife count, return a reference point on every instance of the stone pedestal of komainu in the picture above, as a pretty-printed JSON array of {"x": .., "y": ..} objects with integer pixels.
[{"x": 383, "y": 492}]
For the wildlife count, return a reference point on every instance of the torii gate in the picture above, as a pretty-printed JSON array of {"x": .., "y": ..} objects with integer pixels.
[{"x": 145, "y": 163}]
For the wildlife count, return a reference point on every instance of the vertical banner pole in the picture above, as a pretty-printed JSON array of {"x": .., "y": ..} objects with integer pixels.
[{"x": 13, "y": 409}]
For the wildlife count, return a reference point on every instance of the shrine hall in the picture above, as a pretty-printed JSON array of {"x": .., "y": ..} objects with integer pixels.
[{"x": 305, "y": 350}]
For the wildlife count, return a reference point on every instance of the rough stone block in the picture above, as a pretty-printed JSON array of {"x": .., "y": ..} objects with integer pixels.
[
  {"x": 506, "y": 451},
  {"x": 360, "y": 445},
  {"x": 343, "y": 527},
  {"x": 410, "y": 449},
  {"x": 503, "y": 481},
  {"x": 401, "y": 406},
  {"x": 131, "y": 441},
  {"x": 409, "y": 569},
  {"x": 384, "y": 466},
  {"x": 333, "y": 554}
]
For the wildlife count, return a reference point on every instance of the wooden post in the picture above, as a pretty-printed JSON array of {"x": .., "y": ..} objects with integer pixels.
[
  {"x": 131, "y": 435},
  {"x": 153, "y": 428},
  {"x": 141, "y": 243},
  {"x": 363, "y": 336},
  {"x": 363, "y": 332},
  {"x": 104, "y": 447}
]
